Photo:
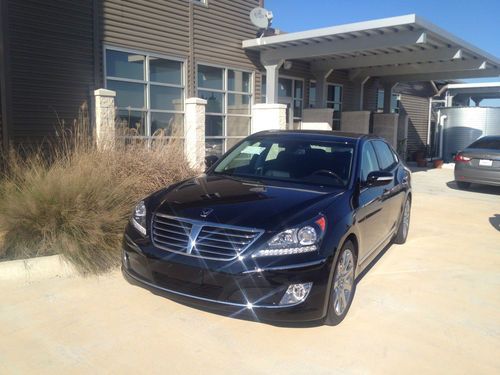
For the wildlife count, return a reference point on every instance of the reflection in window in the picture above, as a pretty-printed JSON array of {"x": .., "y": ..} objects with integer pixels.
[
  {"x": 149, "y": 93},
  {"x": 228, "y": 93}
]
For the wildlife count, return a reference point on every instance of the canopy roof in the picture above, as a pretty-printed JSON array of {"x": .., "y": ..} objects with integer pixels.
[
  {"x": 397, "y": 49},
  {"x": 487, "y": 90}
]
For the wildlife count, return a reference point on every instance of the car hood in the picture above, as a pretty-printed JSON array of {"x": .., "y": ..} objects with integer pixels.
[{"x": 244, "y": 203}]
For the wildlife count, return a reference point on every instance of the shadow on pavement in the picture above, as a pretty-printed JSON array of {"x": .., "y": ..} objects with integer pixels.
[
  {"x": 475, "y": 188},
  {"x": 495, "y": 221}
]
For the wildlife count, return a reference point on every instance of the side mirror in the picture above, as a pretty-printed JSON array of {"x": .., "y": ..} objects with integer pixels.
[
  {"x": 379, "y": 178},
  {"x": 210, "y": 160}
]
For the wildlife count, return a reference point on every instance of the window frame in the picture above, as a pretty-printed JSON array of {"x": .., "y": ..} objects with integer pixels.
[
  {"x": 147, "y": 98},
  {"x": 225, "y": 92},
  {"x": 293, "y": 97}
]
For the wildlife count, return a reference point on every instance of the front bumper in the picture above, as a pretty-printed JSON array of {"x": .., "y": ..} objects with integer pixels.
[{"x": 234, "y": 289}]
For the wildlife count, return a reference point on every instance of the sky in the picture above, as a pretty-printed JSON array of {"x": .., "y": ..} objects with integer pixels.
[{"x": 475, "y": 21}]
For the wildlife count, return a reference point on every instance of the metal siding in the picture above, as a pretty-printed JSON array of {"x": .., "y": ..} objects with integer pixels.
[
  {"x": 417, "y": 109},
  {"x": 51, "y": 64},
  {"x": 199, "y": 33},
  {"x": 218, "y": 30},
  {"x": 150, "y": 25}
]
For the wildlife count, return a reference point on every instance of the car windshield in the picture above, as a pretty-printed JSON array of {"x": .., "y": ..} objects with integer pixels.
[
  {"x": 489, "y": 143},
  {"x": 324, "y": 163}
]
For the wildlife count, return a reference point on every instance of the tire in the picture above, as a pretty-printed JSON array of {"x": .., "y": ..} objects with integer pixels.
[
  {"x": 338, "y": 306},
  {"x": 404, "y": 224},
  {"x": 462, "y": 185}
]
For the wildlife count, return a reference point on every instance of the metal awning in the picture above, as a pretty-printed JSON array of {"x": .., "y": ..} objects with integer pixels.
[{"x": 397, "y": 49}]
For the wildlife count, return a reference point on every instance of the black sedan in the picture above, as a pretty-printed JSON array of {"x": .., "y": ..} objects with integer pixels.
[
  {"x": 479, "y": 163},
  {"x": 278, "y": 228}
]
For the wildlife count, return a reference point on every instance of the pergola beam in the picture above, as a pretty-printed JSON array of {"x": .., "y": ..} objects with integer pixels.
[
  {"x": 444, "y": 75},
  {"x": 450, "y": 66},
  {"x": 441, "y": 54},
  {"x": 351, "y": 45}
]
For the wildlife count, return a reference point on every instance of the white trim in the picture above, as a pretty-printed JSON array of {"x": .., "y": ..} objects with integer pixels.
[
  {"x": 330, "y": 31},
  {"x": 401, "y": 25}
]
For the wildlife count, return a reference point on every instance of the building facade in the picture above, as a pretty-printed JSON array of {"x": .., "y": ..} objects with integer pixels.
[{"x": 157, "y": 53}]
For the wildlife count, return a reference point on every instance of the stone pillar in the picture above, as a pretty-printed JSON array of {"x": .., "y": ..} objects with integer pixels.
[
  {"x": 385, "y": 125},
  {"x": 105, "y": 118},
  {"x": 317, "y": 119},
  {"x": 268, "y": 117},
  {"x": 356, "y": 122},
  {"x": 194, "y": 133},
  {"x": 402, "y": 135}
]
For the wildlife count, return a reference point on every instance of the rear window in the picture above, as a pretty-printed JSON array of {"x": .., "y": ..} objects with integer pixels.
[{"x": 489, "y": 143}]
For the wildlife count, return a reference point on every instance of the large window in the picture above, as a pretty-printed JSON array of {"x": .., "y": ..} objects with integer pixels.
[
  {"x": 149, "y": 93},
  {"x": 228, "y": 93},
  {"x": 381, "y": 99},
  {"x": 334, "y": 100}
]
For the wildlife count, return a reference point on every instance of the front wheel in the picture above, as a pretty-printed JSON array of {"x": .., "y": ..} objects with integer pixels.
[
  {"x": 343, "y": 285},
  {"x": 404, "y": 225}
]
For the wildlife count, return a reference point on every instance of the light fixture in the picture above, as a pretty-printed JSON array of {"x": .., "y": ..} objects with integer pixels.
[{"x": 296, "y": 293}]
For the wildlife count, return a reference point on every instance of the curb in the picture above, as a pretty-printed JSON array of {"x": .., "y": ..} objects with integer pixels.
[{"x": 34, "y": 269}]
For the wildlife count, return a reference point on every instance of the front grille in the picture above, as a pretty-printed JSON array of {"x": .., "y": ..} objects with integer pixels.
[{"x": 201, "y": 239}]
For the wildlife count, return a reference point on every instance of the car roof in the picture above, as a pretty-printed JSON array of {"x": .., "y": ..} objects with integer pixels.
[{"x": 326, "y": 134}]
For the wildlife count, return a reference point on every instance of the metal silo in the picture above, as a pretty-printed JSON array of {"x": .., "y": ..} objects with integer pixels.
[{"x": 463, "y": 125}]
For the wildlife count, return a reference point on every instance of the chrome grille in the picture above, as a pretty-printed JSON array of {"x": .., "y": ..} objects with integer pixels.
[{"x": 201, "y": 239}]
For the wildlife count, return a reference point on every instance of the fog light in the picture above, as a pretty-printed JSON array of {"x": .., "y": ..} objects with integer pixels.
[{"x": 296, "y": 293}]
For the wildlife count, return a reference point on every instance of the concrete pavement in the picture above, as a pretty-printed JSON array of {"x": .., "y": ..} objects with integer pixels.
[{"x": 429, "y": 306}]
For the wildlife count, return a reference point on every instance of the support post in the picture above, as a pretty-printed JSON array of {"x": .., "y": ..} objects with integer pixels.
[
  {"x": 194, "y": 133},
  {"x": 321, "y": 86},
  {"x": 359, "y": 91},
  {"x": 105, "y": 118},
  {"x": 388, "y": 96},
  {"x": 272, "y": 73}
]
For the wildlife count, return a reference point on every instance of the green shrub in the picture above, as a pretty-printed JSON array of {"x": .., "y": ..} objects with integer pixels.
[{"x": 77, "y": 205}]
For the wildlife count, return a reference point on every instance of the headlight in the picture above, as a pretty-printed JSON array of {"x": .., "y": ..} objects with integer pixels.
[
  {"x": 138, "y": 218},
  {"x": 295, "y": 241}
]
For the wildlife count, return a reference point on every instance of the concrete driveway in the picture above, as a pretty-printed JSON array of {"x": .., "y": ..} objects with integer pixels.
[{"x": 429, "y": 306}]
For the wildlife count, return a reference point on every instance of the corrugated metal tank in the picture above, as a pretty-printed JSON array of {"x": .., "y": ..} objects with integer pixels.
[{"x": 464, "y": 125}]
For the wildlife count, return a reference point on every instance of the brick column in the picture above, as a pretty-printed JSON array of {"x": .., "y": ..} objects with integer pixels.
[
  {"x": 105, "y": 117},
  {"x": 194, "y": 133}
]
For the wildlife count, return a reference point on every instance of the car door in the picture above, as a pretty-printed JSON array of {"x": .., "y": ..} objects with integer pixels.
[
  {"x": 393, "y": 193},
  {"x": 371, "y": 214}
]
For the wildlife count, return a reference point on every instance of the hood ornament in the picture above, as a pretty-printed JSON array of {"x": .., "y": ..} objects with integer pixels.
[{"x": 205, "y": 212}]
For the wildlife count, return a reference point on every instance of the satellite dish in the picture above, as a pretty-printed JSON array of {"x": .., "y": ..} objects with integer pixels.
[{"x": 261, "y": 17}]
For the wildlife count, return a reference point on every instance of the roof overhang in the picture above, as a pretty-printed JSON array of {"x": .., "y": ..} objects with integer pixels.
[
  {"x": 397, "y": 49},
  {"x": 486, "y": 90}
]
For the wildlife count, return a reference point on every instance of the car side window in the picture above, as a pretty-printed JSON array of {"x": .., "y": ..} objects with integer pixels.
[
  {"x": 369, "y": 161},
  {"x": 385, "y": 156}
]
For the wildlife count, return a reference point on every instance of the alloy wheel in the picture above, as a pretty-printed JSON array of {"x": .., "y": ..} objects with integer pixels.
[
  {"x": 406, "y": 218},
  {"x": 343, "y": 282}
]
